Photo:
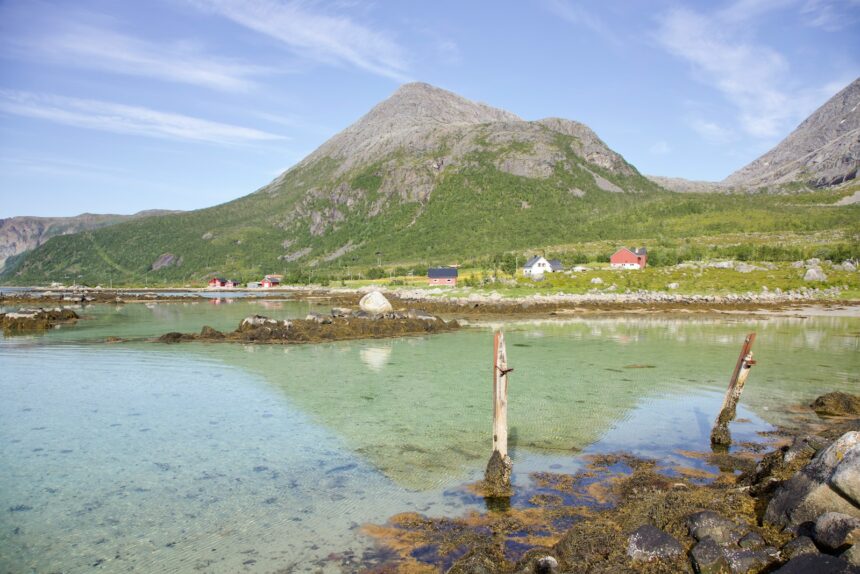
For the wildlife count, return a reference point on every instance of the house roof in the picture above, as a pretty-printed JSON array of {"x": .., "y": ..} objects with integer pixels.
[
  {"x": 532, "y": 261},
  {"x": 221, "y": 279},
  {"x": 640, "y": 251},
  {"x": 555, "y": 265},
  {"x": 442, "y": 273}
]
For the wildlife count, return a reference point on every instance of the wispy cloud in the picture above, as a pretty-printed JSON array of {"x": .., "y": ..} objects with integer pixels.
[
  {"x": 581, "y": 15},
  {"x": 332, "y": 39},
  {"x": 831, "y": 15},
  {"x": 81, "y": 39},
  {"x": 89, "y": 47},
  {"x": 749, "y": 75},
  {"x": 123, "y": 119},
  {"x": 711, "y": 131}
]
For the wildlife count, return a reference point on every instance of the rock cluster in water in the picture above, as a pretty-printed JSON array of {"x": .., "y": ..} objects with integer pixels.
[
  {"x": 796, "y": 510},
  {"x": 35, "y": 319},
  {"x": 340, "y": 324}
]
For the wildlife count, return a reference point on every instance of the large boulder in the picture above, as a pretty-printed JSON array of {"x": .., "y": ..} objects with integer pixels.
[
  {"x": 810, "y": 492},
  {"x": 837, "y": 404},
  {"x": 375, "y": 303},
  {"x": 814, "y": 274}
]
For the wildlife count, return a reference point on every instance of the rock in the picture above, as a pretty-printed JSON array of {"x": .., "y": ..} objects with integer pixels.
[
  {"x": 708, "y": 524},
  {"x": 208, "y": 332},
  {"x": 255, "y": 321},
  {"x": 672, "y": 286},
  {"x": 797, "y": 264},
  {"x": 747, "y": 268},
  {"x": 340, "y": 312},
  {"x": 421, "y": 315},
  {"x": 848, "y": 266},
  {"x": 648, "y": 544},
  {"x": 817, "y": 564},
  {"x": 708, "y": 558},
  {"x": 318, "y": 318},
  {"x": 837, "y": 404},
  {"x": 835, "y": 531},
  {"x": 808, "y": 494},
  {"x": 172, "y": 337},
  {"x": 798, "y": 546},
  {"x": 852, "y": 555},
  {"x": 375, "y": 303},
  {"x": 814, "y": 274},
  {"x": 813, "y": 262},
  {"x": 537, "y": 561},
  {"x": 743, "y": 561},
  {"x": 597, "y": 281},
  {"x": 752, "y": 540},
  {"x": 846, "y": 477}
]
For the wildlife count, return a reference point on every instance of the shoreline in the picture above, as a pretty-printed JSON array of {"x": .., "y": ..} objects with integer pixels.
[{"x": 486, "y": 303}]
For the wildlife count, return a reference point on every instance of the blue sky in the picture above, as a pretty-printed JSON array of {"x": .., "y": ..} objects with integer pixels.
[{"x": 117, "y": 106}]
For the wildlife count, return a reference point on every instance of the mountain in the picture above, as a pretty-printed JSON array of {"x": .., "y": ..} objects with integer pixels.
[
  {"x": 824, "y": 150},
  {"x": 21, "y": 234},
  {"x": 425, "y": 177}
]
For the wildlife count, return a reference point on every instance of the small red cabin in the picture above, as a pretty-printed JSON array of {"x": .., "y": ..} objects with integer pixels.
[
  {"x": 629, "y": 258},
  {"x": 217, "y": 282},
  {"x": 270, "y": 281}
]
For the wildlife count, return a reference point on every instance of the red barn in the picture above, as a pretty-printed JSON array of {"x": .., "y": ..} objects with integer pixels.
[
  {"x": 217, "y": 282},
  {"x": 442, "y": 276},
  {"x": 629, "y": 259}
]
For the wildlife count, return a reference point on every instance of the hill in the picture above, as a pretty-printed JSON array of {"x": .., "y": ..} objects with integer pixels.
[
  {"x": 426, "y": 177},
  {"x": 21, "y": 234}
]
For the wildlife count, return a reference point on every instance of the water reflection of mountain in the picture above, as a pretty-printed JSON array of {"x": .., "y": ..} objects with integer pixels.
[{"x": 419, "y": 410}]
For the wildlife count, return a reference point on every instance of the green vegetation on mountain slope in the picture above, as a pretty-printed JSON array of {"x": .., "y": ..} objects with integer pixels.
[{"x": 316, "y": 219}]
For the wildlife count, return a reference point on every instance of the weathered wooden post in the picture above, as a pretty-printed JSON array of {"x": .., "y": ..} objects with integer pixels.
[
  {"x": 497, "y": 477},
  {"x": 720, "y": 435}
]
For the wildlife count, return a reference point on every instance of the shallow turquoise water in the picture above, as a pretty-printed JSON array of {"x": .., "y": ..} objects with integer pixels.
[{"x": 221, "y": 458}]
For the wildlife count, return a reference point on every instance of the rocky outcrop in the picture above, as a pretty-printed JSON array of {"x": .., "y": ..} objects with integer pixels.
[
  {"x": 823, "y": 150},
  {"x": 316, "y": 327},
  {"x": 836, "y": 404},
  {"x": 35, "y": 319},
  {"x": 811, "y": 492}
]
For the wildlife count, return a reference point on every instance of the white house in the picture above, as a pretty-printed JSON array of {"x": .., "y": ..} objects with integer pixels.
[{"x": 537, "y": 266}]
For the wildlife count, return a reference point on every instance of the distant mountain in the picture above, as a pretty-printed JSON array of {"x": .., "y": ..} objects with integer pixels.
[
  {"x": 425, "y": 177},
  {"x": 824, "y": 150},
  {"x": 21, "y": 234}
]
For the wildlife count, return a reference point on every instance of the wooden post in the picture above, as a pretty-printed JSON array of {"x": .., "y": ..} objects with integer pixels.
[
  {"x": 497, "y": 478},
  {"x": 720, "y": 434}
]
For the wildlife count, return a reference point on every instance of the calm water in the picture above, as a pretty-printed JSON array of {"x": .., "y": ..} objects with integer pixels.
[{"x": 222, "y": 458}]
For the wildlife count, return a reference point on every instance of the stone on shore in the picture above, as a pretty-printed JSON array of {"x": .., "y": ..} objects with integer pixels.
[
  {"x": 809, "y": 493},
  {"x": 837, "y": 404},
  {"x": 375, "y": 303},
  {"x": 798, "y": 547},
  {"x": 814, "y": 274},
  {"x": 835, "y": 531},
  {"x": 817, "y": 564},
  {"x": 649, "y": 544},
  {"x": 708, "y": 558},
  {"x": 708, "y": 524}
]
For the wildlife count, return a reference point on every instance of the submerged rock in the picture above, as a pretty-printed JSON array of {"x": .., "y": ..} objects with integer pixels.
[
  {"x": 36, "y": 319},
  {"x": 837, "y": 404}
]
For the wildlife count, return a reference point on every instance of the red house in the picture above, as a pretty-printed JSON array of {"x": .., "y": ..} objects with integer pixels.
[
  {"x": 442, "y": 276},
  {"x": 217, "y": 282},
  {"x": 629, "y": 259},
  {"x": 270, "y": 281}
]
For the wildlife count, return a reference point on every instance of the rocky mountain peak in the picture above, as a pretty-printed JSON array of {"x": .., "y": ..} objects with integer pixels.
[{"x": 823, "y": 150}]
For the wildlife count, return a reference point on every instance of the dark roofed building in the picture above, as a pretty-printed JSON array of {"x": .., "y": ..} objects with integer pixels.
[{"x": 442, "y": 276}]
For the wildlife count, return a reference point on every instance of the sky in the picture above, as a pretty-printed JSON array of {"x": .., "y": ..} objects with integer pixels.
[{"x": 116, "y": 106}]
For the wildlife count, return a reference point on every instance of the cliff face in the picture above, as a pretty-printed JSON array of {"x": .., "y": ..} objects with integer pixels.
[{"x": 824, "y": 150}]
